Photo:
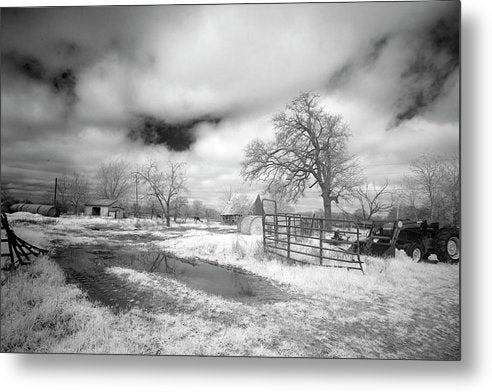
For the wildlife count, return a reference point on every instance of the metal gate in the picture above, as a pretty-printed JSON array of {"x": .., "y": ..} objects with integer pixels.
[{"x": 310, "y": 240}]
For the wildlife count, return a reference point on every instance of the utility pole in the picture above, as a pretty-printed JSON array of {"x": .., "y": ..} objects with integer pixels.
[{"x": 56, "y": 187}]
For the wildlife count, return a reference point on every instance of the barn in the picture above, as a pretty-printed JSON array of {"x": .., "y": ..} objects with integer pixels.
[
  {"x": 104, "y": 207},
  {"x": 239, "y": 205}
]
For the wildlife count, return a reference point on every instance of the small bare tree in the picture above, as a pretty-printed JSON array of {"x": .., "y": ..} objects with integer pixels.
[
  {"x": 450, "y": 188},
  {"x": 165, "y": 186},
  {"x": 409, "y": 195},
  {"x": 226, "y": 195},
  {"x": 198, "y": 208},
  {"x": 179, "y": 206},
  {"x": 6, "y": 197},
  {"x": 241, "y": 205},
  {"x": 112, "y": 179},
  {"x": 310, "y": 149},
  {"x": 74, "y": 190},
  {"x": 428, "y": 175},
  {"x": 374, "y": 200}
]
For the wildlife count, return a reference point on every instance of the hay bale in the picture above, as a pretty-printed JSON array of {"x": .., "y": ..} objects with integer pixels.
[
  {"x": 41, "y": 209},
  {"x": 250, "y": 225}
]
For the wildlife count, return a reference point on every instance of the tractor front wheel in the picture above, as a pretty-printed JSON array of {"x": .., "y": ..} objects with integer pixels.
[
  {"x": 447, "y": 245},
  {"x": 416, "y": 252}
]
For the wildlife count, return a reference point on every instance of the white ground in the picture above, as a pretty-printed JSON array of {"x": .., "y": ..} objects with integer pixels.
[{"x": 398, "y": 309}]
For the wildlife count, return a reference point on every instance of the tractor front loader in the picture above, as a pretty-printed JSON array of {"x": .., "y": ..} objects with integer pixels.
[{"x": 417, "y": 238}]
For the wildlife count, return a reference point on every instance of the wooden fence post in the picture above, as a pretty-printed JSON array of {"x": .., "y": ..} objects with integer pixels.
[
  {"x": 288, "y": 237},
  {"x": 264, "y": 232},
  {"x": 275, "y": 221},
  {"x": 321, "y": 242},
  {"x": 312, "y": 225}
]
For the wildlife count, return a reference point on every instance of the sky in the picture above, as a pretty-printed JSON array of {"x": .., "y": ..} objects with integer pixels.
[{"x": 197, "y": 83}]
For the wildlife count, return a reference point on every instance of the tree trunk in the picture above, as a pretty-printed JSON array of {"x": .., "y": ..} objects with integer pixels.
[
  {"x": 327, "y": 205},
  {"x": 168, "y": 215}
]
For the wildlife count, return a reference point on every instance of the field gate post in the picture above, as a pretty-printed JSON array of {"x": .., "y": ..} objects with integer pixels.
[
  {"x": 264, "y": 231},
  {"x": 358, "y": 250},
  {"x": 320, "y": 242}
]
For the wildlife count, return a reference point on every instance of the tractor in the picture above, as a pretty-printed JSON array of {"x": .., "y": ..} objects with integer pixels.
[{"x": 417, "y": 238}]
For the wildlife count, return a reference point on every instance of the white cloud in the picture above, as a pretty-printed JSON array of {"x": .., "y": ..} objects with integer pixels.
[{"x": 237, "y": 63}]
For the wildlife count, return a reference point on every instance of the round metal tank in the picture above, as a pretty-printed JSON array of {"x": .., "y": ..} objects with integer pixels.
[
  {"x": 41, "y": 209},
  {"x": 250, "y": 225}
]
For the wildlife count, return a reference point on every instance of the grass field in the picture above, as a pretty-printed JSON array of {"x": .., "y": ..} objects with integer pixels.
[{"x": 398, "y": 309}]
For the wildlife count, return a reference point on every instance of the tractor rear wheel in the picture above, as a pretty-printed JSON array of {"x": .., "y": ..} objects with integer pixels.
[
  {"x": 416, "y": 252},
  {"x": 447, "y": 245}
]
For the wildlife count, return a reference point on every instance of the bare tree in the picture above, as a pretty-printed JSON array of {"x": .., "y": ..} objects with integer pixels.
[
  {"x": 71, "y": 191},
  {"x": 226, "y": 195},
  {"x": 241, "y": 205},
  {"x": 165, "y": 186},
  {"x": 211, "y": 214},
  {"x": 450, "y": 188},
  {"x": 428, "y": 175},
  {"x": 374, "y": 200},
  {"x": 179, "y": 206},
  {"x": 6, "y": 198},
  {"x": 74, "y": 190},
  {"x": 277, "y": 191},
  {"x": 409, "y": 195},
  {"x": 310, "y": 149},
  {"x": 62, "y": 194},
  {"x": 198, "y": 208},
  {"x": 113, "y": 179}
]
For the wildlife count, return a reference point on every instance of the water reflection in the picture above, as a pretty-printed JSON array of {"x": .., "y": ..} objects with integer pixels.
[{"x": 228, "y": 282}]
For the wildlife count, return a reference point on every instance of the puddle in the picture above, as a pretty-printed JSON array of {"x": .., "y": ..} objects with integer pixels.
[{"x": 85, "y": 266}]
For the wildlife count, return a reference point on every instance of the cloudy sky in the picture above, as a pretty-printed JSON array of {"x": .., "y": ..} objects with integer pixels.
[{"x": 197, "y": 83}]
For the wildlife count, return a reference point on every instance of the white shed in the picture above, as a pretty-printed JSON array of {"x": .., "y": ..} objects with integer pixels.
[{"x": 104, "y": 207}]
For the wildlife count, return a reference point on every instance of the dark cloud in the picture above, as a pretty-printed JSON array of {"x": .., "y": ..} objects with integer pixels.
[
  {"x": 177, "y": 136},
  {"x": 375, "y": 51},
  {"x": 364, "y": 60},
  {"x": 435, "y": 60},
  {"x": 60, "y": 81},
  {"x": 64, "y": 82},
  {"x": 33, "y": 69},
  {"x": 25, "y": 65}
]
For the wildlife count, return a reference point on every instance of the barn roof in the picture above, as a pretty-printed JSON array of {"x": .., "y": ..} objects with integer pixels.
[
  {"x": 238, "y": 202},
  {"x": 103, "y": 202}
]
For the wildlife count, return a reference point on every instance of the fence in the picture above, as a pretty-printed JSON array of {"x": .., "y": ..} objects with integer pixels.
[
  {"x": 18, "y": 249},
  {"x": 310, "y": 240}
]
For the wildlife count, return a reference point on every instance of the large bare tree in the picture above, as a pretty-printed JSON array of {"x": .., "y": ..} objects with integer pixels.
[
  {"x": 113, "y": 179},
  {"x": 165, "y": 185},
  {"x": 310, "y": 149}
]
